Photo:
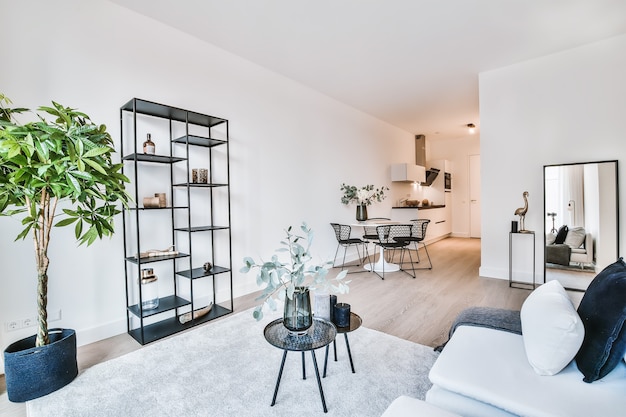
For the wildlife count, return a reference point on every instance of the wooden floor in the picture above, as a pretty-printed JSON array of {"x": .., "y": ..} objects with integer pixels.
[{"x": 420, "y": 310}]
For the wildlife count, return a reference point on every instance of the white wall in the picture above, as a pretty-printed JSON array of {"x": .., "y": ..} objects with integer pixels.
[
  {"x": 291, "y": 147},
  {"x": 566, "y": 107}
]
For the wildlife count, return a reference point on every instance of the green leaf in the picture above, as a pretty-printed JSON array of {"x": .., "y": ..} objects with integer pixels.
[
  {"x": 94, "y": 165},
  {"x": 73, "y": 182},
  {"x": 258, "y": 313},
  {"x": 65, "y": 222},
  {"x": 78, "y": 229},
  {"x": 95, "y": 152}
]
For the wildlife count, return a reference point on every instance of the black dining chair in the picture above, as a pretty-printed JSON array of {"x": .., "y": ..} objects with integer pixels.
[
  {"x": 369, "y": 232},
  {"x": 418, "y": 234},
  {"x": 342, "y": 233},
  {"x": 390, "y": 239}
]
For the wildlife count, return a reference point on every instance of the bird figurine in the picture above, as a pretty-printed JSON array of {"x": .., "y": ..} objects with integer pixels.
[{"x": 521, "y": 212}]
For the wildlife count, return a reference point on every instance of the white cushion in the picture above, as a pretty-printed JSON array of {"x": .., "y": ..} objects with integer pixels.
[
  {"x": 405, "y": 406},
  {"x": 550, "y": 238},
  {"x": 575, "y": 237},
  {"x": 551, "y": 328}
]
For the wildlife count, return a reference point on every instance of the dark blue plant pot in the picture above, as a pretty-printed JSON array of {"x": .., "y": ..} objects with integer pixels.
[{"x": 32, "y": 372}]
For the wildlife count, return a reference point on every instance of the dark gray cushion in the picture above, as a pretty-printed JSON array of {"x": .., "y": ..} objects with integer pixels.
[
  {"x": 603, "y": 311},
  {"x": 561, "y": 235}
]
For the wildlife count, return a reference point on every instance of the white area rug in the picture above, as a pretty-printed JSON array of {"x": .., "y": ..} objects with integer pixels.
[{"x": 226, "y": 368}]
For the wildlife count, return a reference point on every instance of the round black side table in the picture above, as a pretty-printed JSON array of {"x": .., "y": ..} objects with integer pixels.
[
  {"x": 320, "y": 334},
  {"x": 355, "y": 323}
]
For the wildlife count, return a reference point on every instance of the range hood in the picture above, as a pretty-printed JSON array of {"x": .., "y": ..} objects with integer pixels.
[
  {"x": 431, "y": 174},
  {"x": 420, "y": 159}
]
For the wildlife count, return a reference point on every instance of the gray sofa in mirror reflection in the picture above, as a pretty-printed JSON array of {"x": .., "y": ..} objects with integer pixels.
[{"x": 570, "y": 246}]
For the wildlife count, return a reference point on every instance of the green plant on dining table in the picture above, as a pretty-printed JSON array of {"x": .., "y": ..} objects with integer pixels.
[
  {"x": 281, "y": 279},
  {"x": 365, "y": 195}
]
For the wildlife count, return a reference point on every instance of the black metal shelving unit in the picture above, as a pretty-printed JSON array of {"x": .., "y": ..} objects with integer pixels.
[{"x": 190, "y": 135}]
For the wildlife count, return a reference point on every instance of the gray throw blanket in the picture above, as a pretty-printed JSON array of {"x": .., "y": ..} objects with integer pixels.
[
  {"x": 558, "y": 254},
  {"x": 493, "y": 318}
]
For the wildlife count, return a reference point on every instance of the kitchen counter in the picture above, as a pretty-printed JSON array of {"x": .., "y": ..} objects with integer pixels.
[{"x": 422, "y": 208}]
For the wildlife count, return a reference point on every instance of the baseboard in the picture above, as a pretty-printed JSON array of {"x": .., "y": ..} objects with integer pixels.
[
  {"x": 499, "y": 273},
  {"x": 97, "y": 333},
  {"x": 437, "y": 239}
]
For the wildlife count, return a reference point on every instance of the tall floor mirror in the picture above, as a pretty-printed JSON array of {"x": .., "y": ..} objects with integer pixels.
[{"x": 581, "y": 218}]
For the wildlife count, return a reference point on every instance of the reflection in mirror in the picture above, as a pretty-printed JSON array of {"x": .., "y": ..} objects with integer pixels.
[{"x": 581, "y": 208}]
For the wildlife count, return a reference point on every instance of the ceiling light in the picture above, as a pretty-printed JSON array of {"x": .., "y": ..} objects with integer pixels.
[{"x": 471, "y": 127}]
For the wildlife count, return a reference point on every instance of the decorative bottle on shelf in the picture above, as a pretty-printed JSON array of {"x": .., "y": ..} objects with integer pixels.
[
  {"x": 149, "y": 289},
  {"x": 148, "y": 146}
]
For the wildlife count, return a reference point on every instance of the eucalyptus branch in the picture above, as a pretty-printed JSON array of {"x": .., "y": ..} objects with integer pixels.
[{"x": 280, "y": 279}]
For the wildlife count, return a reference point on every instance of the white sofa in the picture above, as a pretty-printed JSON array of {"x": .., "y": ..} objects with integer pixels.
[
  {"x": 584, "y": 254},
  {"x": 484, "y": 372},
  {"x": 547, "y": 360},
  {"x": 580, "y": 244},
  {"x": 488, "y": 372}
]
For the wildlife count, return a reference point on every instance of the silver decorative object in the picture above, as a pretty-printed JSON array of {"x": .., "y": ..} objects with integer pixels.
[
  {"x": 199, "y": 175},
  {"x": 203, "y": 175}
]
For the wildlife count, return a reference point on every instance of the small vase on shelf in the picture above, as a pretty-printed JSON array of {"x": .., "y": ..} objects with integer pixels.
[{"x": 361, "y": 212}]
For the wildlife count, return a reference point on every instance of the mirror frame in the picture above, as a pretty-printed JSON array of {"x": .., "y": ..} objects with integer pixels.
[{"x": 617, "y": 216}]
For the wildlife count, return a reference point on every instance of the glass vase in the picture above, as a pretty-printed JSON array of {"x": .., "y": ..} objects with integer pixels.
[
  {"x": 361, "y": 212},
  {"x": 297, "y": 317}
]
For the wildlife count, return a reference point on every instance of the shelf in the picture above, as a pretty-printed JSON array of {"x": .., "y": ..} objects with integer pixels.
[
  {"x": 159, "y": 110},
  {"x": 133, "y": 259},
  {"x": 159, "y": 208},
  {"x": 165, "y": 304},
  {"x": 191, "y": 137},
  {"x": 171, "y": 325},
  {"x": 201, "y": 273},
  {"x": 200, "y": 228},
  {"x": 199, "y": 141},
  {"x": 199, "y": 184},
  {"x": 159, "y": 159}
]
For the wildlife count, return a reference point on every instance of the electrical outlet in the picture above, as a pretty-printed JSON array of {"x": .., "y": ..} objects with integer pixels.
[
  {"x": 10, "y": 326},
  {"x": 13, "y": 325}
]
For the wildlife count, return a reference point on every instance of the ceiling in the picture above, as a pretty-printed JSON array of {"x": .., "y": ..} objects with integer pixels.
[{"x": 411, "y": 63}]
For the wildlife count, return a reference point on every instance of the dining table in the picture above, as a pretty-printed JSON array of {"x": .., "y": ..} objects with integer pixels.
[{"x": 381, "y": 265}]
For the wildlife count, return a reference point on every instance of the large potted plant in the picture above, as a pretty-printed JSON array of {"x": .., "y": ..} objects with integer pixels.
[
  {"x": 52, "y": 174},
  {"x": 290, "y": 281}
]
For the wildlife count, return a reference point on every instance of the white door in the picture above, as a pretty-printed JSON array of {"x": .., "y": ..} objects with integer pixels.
[{"x": 474, "y": 193}]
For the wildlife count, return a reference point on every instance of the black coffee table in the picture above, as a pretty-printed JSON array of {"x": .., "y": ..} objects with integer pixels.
[
  {"x": 355, "y": 323},
  {"x": 320, "y": 334}
]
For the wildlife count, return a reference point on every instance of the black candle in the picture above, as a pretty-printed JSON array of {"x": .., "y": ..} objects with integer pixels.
[
  {"x": 342, "y": 314},
  {"x": 333, "y": 301}
]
